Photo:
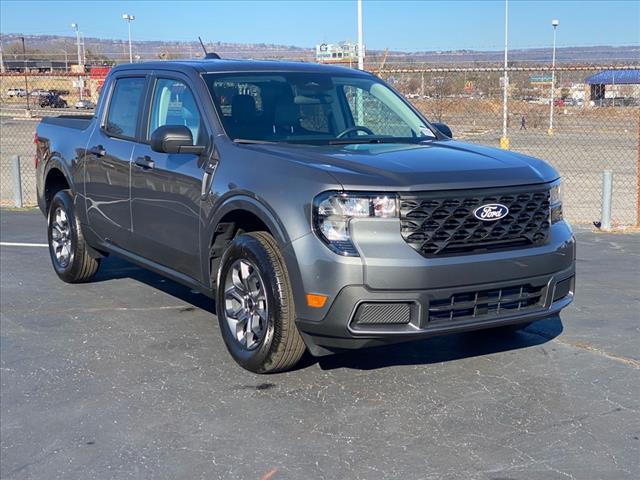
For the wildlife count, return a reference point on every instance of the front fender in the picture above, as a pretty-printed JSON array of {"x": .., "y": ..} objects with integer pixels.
[
  {"x": 251, "y": 204},
  {"x": 215, "y": 211}
]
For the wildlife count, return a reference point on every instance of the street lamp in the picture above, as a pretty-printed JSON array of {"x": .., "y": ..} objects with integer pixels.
[
  {"x": 359, "y": 103},
  {"x": 129, "y": 18},
  {"x": 76, "y": 27},
  {"x": 66, "y": 60},
  {"x": 360, "y": 39},
  {"x": 504, "y": 140},
  {"x": 554, "y": 24}
]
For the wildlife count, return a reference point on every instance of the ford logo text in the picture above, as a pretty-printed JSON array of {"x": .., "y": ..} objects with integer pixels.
[{"x": 491, "y": 212}]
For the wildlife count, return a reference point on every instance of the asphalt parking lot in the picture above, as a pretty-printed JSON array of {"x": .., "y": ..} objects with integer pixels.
[{"x": 128, "y": 377}]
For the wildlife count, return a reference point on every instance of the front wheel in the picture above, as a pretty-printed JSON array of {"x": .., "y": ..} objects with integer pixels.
[
  {"x": 68, "y": 250},
  {"x": 255, "y": 305}
]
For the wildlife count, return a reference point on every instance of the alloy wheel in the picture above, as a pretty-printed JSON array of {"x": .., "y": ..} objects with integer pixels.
[
  {"x": 61, "y": 237},
  {"x": 246, "y": 308}
]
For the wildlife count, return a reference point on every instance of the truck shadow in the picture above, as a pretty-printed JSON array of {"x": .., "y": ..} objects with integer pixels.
[
  {"x": 113, "y": 268},
  {"x": 443, "y": 348},
  {"x": 419, "y": 352}
]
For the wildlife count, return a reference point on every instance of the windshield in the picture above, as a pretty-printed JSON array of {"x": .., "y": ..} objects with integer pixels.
[{"x": 312, "y": 108}]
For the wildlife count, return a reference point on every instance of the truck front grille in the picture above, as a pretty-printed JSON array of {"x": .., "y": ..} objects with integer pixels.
[
  {"x": 491, "y": 302},
  {"x": 443, "y": 223}
]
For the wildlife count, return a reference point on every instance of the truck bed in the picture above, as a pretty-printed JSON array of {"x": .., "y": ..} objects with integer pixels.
[{"x": 76, "y": 122}]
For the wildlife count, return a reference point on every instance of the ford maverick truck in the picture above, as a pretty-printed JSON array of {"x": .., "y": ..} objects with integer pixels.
[{"x": 313, "y": 204}]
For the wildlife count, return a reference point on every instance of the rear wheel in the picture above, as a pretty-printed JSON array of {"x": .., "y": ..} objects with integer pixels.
[
  {"x": 68, "y": 250},
  {"x": 255, "y": 305}
]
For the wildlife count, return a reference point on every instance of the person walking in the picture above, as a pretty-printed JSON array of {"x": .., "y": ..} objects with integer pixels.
[{"x": 523, "y": 123}]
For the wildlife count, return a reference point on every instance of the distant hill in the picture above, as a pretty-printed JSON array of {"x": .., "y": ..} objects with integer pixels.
[{"x": 54, "y": 47}]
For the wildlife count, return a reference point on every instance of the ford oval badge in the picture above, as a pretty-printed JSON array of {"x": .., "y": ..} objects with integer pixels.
[{"x": 491, "y": 212}]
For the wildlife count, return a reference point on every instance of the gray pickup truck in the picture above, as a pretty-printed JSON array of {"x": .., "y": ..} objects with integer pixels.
[{"x": 313, "y": 204}]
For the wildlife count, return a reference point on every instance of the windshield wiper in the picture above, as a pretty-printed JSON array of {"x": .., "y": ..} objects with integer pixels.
[
  {"x": 249, "y": 141},
  {"x": 355, "y": 141}
]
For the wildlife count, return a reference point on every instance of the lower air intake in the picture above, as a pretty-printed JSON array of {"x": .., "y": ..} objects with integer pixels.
[{"x": 383, "y": 314}]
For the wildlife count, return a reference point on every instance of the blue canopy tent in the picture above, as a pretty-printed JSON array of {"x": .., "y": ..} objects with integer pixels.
[{"x": 598, "y": 81}]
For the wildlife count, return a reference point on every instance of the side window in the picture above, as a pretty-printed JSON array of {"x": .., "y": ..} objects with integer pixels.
[
  {"x": 126, "y": 100},
  {"x": 368, "y": 111},
  {"x": 174, "y": 104}
]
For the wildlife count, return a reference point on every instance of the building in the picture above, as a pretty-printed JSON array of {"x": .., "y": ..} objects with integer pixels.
[
  {"x": 34, "y": 65},
  {"x": 343, "y": 52},
  {"x": 611, "y": 86}
]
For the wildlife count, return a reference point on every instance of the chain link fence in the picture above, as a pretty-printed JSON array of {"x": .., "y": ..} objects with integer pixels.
[
  {"x": 24, "y": 100},
  {"x": 596, "y": 126}
]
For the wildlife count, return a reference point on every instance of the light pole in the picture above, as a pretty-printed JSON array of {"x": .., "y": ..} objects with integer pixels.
[
  {"x": 555, "y": 24},
  {"x": 76, "y": 27},
  {"x": 66, "y": 60},
  {"x": 129, "y": 18},
  {"x": 360, "y": 44},
  {"x": 83, "y": 49},
  {"x": 26, "y": 81},
  {"x": 504, "y": 140},
  {"x": 359, "y": 103},
  {"x": 1, "y": 60}
]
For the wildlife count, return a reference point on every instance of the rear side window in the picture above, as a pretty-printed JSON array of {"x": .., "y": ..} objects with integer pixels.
[{"x": 126, "y": 101}]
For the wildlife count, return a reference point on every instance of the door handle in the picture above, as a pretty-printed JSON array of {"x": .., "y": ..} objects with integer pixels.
[
  {"x": 145, "y": 162},
  {"x": 98, "y": 151}
]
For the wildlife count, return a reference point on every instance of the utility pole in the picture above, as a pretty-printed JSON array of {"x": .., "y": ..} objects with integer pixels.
[
  {"x": 554, "y": 23},
  {"x": 504, "y": 140},
  {"x": 129, "y": 18},
  {"x": 360, "y": 40},
  {"x": 359, "y": 102},
  {"x": 1, "y": 60},
  {"x": 83, "y": 49},
  {"x": 66, "y": 60},
  {"x": 76, "y": 27},
  {"x": 26, "y": 81}
]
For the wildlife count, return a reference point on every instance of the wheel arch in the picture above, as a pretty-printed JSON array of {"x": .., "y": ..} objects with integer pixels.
[
  {"x": 54, "y": 181},
  {"x": 237, "y": 214}
]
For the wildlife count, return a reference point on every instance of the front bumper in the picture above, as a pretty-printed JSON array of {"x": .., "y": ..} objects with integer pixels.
[{"x": 389, "y": 272}]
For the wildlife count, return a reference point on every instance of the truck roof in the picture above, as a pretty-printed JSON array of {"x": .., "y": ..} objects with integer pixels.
[{"x": 235, "y": 65}]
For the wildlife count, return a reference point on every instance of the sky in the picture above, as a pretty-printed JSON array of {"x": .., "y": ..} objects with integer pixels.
[{"x": 397, "y": 25}]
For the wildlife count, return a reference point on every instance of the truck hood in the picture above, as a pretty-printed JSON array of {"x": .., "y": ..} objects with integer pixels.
[{"x": 437, "y": 165}]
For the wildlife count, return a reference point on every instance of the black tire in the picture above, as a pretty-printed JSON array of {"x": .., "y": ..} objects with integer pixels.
[
  {"x": 280, "y": 346},
  {"x": 80, "y": 266}
]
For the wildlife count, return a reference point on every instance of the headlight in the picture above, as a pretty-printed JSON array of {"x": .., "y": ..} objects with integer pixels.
[
  {"x": 332, "y": 212},
  {"x": 555, "y": 202}
]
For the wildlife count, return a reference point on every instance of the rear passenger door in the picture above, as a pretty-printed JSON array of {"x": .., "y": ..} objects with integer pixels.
[
  {"x": 166, "y": 188},
  {"x": 108, "y": 160}
]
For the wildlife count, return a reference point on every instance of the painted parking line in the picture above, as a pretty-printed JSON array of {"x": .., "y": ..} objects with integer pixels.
[{"x": 18, "y": 244}]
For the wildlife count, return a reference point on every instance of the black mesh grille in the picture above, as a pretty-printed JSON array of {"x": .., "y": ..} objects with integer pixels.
[
  {"x": 441, "y": 223},
  {"x": 383, "y": 313},
  {"x": 490, "y": 302}
]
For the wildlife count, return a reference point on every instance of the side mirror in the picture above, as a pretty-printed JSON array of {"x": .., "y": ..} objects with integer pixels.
[
  {"x": 444, "y": 129},
  {"x": 174, "y": 139}
]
